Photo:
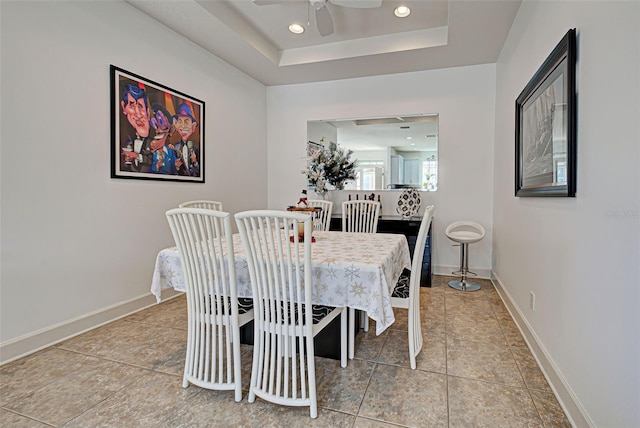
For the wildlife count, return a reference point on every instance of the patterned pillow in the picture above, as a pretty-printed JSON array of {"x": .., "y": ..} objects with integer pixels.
[
  {"x": 318, "y": 312},
  {"x": 401, "y": 289},
  {"x": 244, "y": 305}
]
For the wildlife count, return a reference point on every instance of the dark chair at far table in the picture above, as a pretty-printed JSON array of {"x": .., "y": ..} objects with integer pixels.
[
  {"x": 213, "y": 311},
  {"x": 286, "y": 322},
  {"x": 406, "y": 293}
]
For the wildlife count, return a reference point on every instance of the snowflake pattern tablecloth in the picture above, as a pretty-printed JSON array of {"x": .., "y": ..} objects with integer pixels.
[{"x": 355, "y": 270}]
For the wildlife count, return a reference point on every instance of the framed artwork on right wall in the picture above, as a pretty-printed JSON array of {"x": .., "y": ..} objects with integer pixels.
[{"x": 545, "y": 145}]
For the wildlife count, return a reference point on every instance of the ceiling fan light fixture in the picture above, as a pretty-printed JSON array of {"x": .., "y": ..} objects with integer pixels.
[
  {"x": 324, "y": 22},
  {"x": 296, "y": 28},
  {"x": 401, "y": 11}
]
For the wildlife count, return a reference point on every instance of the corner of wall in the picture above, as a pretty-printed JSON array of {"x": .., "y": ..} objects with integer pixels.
[{"x": 566, "y": 397}]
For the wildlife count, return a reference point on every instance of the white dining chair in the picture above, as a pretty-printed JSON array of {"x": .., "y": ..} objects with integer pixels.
[
  {"x": 406, "y": 293},
  {"x": 321, "y": 219},
  {"x": 286, "y": 322},
  {"x": 202, "y": 203},
  {"x": 359, "y": 216},
  {"x": 214, "y": 312}
]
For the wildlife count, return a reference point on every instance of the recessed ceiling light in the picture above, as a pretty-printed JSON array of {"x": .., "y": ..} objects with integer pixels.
[
  {"x": 402, "y": 11},
  {"x": 296, "y": 28},
  {"x": 409, "y": 138}
]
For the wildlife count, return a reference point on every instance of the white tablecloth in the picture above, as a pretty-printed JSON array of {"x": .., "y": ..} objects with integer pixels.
[{"x": 355, "y": 270}]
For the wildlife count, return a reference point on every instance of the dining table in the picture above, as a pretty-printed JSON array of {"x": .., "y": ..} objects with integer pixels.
[{"x": 353, "y": 270}]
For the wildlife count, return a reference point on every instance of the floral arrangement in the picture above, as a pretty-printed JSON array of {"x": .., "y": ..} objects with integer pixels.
[{"x": 330, "y": 166}]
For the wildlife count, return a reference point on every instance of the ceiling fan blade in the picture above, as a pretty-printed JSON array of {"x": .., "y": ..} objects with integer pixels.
[
  {"x": 324, "y": 21},
  {"x": 361, "y": 4}
]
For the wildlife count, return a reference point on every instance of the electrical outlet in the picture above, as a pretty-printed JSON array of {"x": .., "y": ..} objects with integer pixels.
[{"x": 532, "y": 300}]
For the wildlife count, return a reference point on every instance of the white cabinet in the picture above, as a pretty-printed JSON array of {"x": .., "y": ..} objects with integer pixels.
[
  {"x": 397, "y": 170},
  {"x": 412, "y": 172}
]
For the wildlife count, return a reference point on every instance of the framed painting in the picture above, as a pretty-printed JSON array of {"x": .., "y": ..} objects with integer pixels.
[
  {"x": 545, "y": 146},
  {"x": 157, "y": 133},
  {"x": 312, "y": 149}
]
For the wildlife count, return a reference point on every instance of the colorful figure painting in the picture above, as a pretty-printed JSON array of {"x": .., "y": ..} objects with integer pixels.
[{"x": 157, "y": 133}]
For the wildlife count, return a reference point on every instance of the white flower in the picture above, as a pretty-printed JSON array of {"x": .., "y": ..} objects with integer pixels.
[{"x": 329, "y": 166}]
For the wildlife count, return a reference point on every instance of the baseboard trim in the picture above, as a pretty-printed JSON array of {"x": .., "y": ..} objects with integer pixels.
[
  {"x": 572, "y": 407},
  {"x": 22, "y": 346}
]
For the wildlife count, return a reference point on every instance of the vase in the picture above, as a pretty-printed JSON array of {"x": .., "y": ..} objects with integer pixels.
[
  {"x": 409, "y": 203},
  {"x": 322, "y": 195}
]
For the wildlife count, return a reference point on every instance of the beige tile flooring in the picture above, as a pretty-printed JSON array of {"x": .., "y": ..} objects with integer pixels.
[{"x": 474, "y": 370}]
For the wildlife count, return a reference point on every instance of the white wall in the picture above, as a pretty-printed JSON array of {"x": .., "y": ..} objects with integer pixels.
[
  {"x": 370, "y": 155},
  {"x": 321, "y": 133},
  {"x": 464, "y": 97},
  {"x": 74, "y": 241},
  {"x": 580, "y": 256}
]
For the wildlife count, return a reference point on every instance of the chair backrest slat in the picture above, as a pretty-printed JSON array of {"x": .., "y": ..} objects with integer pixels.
[
  {"x": 418, "y": 252},
  {"x": 414, "y": 323},
  {"x": 204, "y": 240},
  {"x": 322, "y": 218},
  {"x": 202, "y": 203},
  {"x": 360, "y": 216},
  {"x": 279, "y": 267}
]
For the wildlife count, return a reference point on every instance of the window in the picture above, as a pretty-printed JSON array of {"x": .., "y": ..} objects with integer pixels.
[
  {"x": 369, "y": 176},
  {"x": 430, "y": 173}
]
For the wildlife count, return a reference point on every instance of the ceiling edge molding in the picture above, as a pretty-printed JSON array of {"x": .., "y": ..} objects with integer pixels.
[
  {"x": 226, "y": 16},
  {"x": 399, "y": 42}
]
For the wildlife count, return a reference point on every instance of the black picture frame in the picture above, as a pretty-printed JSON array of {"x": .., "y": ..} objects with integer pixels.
[
  {"x": 546, "y": 119},
  {"x": 157, "y": 133},
  {"x": 313, "y": 147}
]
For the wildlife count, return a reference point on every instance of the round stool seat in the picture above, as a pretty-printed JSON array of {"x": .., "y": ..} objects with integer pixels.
[{"x": 464, "y": 233}]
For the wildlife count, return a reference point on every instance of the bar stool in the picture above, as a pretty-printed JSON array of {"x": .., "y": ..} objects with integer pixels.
[{"x": 464, "y": 233}]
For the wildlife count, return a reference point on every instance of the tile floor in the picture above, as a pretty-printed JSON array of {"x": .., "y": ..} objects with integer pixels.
[{"x": 474, "y": 370}]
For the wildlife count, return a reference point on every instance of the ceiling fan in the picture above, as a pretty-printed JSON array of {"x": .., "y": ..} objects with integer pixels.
[{"x": 324, "y": 22}]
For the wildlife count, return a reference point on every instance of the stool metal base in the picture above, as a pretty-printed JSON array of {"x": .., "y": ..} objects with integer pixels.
[{"x": 464, "y": 285}]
